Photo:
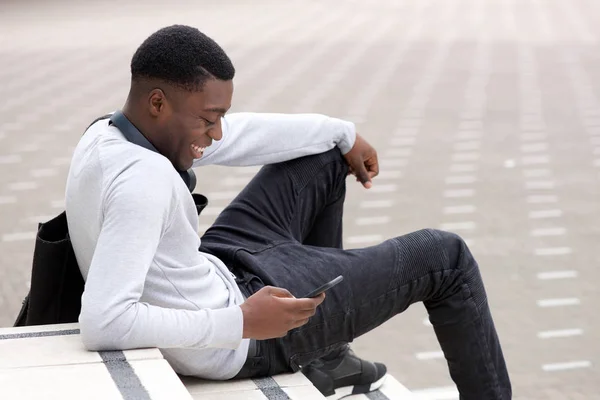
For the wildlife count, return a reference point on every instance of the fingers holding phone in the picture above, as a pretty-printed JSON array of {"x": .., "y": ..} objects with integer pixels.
[{"x": 272, "y": 312}]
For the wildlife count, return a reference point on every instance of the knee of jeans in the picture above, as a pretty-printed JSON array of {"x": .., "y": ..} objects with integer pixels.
[
  {"x": 454, "y": 246},
  {"x": 460, "y": 258},
  {"x": 303, "y": 169},
  {"x": 336, "y": 156},
  {"x": 334, "y": 166}
]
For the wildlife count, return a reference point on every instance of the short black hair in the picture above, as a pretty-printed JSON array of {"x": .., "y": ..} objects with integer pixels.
[{"x": 183, "y": 56}]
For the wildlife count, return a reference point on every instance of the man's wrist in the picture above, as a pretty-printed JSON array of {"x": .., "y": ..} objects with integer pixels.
[{"x": 245, "y": 326}]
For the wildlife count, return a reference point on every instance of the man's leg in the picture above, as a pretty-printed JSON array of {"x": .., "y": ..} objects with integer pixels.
[
  {"x": 428, "y": 266},
  {"x": 261, "y": 232}
]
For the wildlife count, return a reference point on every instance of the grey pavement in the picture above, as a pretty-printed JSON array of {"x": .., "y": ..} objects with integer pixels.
[{"x": 485, "y": 113}]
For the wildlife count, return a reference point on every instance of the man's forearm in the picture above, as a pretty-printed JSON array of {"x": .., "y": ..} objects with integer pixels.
[{"x": 266, "y": 138}]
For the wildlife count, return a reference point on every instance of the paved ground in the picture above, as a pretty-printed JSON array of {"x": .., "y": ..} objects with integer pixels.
[{"x": 486, "y": 114}]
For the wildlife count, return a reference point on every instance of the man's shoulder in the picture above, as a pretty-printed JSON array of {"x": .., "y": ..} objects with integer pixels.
[
  {"x": 103, "y": 155},
  {"x": 118, "y": 155}
]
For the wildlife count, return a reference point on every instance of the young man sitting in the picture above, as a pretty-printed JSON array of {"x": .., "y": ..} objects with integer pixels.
[{"x": 230, "y": 304}]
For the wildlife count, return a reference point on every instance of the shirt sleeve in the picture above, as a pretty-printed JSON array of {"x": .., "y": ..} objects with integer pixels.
[
  {"x": 137, "y": 210},
  {"x": 267, "y": 138}
]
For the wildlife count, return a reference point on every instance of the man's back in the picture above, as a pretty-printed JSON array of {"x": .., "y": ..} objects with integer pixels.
[{"x": 133, "y": 225}]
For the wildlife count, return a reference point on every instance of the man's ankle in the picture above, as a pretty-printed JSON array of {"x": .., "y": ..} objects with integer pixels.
[{"x": 336, "y": 353}]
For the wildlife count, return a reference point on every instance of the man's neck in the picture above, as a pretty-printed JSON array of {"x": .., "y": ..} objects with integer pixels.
[{"x": 129, "y": 110}]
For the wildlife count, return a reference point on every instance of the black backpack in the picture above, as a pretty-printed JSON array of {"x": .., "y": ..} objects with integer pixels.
[{"x": 56, "y": 283}]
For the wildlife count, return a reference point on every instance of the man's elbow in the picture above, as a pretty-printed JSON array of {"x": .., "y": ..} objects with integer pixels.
[{"x": 98, "y": 332}]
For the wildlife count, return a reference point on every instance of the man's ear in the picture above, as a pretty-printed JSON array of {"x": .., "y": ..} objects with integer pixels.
[{"x": 157, "y": 102}]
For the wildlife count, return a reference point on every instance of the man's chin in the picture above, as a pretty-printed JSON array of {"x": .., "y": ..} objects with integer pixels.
[{"x": 182, "y": 166}]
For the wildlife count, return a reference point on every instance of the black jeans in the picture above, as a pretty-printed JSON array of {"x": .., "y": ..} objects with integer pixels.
[{"x": 285, "y": 229}]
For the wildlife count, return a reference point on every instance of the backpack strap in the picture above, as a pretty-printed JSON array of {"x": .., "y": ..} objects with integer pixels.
[{"x": 107, "y": 116}]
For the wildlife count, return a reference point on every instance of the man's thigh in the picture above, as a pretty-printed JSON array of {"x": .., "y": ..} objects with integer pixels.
[{"x": 279, "y": 204}]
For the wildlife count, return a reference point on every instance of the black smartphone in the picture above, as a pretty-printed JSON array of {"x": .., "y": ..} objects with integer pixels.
[{"x": 325, "y": 287}]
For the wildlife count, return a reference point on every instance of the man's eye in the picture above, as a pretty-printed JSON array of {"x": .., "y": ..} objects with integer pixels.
[{"x": 207, "y": 122}]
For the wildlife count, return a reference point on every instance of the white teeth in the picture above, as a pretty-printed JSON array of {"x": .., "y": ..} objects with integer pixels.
[{"x": 198, "y": 149}]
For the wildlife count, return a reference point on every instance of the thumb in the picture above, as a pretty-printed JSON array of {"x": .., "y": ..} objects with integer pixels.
[{"x": 362, "y": 174}]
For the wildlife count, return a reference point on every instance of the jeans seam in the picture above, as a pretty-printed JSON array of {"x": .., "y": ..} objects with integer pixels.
[
  {"x": 483, "y": 344},
  {"x": 273, "y": 244},
  {"x": 481, "y": 336},
  {"x": 396, "y": 273}
]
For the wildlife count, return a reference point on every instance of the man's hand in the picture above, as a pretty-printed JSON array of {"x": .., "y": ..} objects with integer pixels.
[
  {"x": 363, "y": 161},
  {"x": 272, "y": 312}
]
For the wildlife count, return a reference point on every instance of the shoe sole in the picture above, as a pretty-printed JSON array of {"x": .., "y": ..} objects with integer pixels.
[{"x": 345, "y": 391}]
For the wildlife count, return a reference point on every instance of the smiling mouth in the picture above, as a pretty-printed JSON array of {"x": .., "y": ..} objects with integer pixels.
[{"x": 197, "y": 150}]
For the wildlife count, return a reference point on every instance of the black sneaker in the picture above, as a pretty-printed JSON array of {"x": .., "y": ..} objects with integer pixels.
[{"x": 345, "y": 376}]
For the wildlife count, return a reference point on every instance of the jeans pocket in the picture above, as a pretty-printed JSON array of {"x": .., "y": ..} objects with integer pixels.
[
  {"x": 247, "y": 282},
  {"x": 254, "y": 284}
]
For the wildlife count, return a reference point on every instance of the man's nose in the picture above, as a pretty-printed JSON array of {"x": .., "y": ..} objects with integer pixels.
[{"x": 216, "y": 132}]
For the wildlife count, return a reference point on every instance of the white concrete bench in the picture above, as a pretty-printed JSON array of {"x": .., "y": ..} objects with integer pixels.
[{"x": 49, "y": 362}]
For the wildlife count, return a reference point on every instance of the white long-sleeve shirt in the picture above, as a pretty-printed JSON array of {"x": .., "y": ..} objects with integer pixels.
[{"x": 134, "y": 230}]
